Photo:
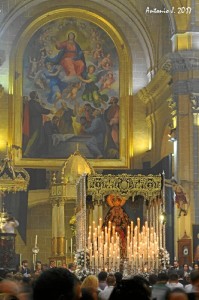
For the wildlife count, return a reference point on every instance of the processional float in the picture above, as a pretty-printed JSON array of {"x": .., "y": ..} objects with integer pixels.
[{"x": 114, "y": 242}]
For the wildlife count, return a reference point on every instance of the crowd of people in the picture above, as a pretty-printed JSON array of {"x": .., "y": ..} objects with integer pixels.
[{"x": 62, "y": 283}]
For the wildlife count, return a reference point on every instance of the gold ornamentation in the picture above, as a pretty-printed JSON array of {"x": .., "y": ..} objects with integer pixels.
[
  {"x": 72, "y": 224},
  {"x": 115, "y": 200},
  {"x": 13, "y": 179},
  {"x": 126, "y": 185}
]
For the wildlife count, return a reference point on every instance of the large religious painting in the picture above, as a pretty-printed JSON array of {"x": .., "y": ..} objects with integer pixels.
[{"x": 71, "y": 92}]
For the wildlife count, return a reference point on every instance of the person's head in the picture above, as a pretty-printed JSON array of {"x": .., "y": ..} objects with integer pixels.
[
  {"x": 71, "y": 36},
  {"x": 88, "y": 107},
  {"x": 111, "y": 281},
  {"x": 56, "y": 284},
  {"x": 102, "y": 276},
  {"x": 153, "y": 278},
  {"x": 194, "y": 278},
  {"x": 176, "y": 294},
  {"x": 113, "y": 100},
  {"x": 43, "y": 52},
  {"x": 118, "y": 211},
  {"x": 96, "y": 113},
  {"x": 83, "y": 120},
  {"x": 187, "y": 278},
  {"x": 175, "y": 264},
  {"x": 195, "y": 266},
  {"x": 90, "y": 281},
  {"x": 162, "y": 278},
  {"x": 71, "y": 267},
  {"x": 49, "y": 65},
  {"x": 180, "y": 273},
  {"x": 91, "y": 69},
  {"x": 52, "y": 264},
  {"x": 24, "y": 263},
  {"x": 64, "y": 105},
  {"x": 38, "y": 265},
  {"x": 55, "y": 120},
  {"x": 185, "y": 267},
  {"x": 45, "y": 267},
  {"x": 133, "y": 288},
  {"x": 173, "y": 277},
  {"x": 25, "y": 99},
  {"x": 118, "y": 277},
  {"x": 110, "y": 75},
  {"x": 33, "y": 95}
]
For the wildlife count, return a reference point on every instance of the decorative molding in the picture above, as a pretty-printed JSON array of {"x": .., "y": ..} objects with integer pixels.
[
  {"x": 172, "y": 106},
  {"x": 13, "y": 179},
  {"x": 1, "y": 91},
  {"x": 181, "y": 87},
  {"x": 98, "y": 186},
  {"x": 180, "y": 62},
  {"x": 155, "y": 87},
  {"x": 167, "y": 66},
  {"x": 195, "y": 102}
]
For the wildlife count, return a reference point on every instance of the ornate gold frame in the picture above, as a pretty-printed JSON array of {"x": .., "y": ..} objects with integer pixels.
[{"x": 16, "y": 108}]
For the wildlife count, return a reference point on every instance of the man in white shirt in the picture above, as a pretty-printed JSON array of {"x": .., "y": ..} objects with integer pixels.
[
  {"x": 10, "y": 225},
  {"x": 105, "y": 294},
  {"x": 173, "y": 281}
]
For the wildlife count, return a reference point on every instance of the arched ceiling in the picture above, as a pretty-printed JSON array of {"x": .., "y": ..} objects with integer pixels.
[{"x": 129, "y": 16}]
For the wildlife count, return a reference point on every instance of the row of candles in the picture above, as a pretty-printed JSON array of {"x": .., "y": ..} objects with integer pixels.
[
  {"x": 142, "y": 246},
  {"x": 104, "y": 247}
]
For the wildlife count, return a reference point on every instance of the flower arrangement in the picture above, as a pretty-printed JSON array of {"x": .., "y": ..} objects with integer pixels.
[
  {"x": 82, "y": 273},
  {"x": 164, "y": 258},
  {"x": 81, "y": 256}
]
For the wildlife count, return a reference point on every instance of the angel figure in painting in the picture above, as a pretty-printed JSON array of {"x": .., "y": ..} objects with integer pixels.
[
  {"x": 91, "y": 92},
  {"x": 107, "y": 81},
  {"x": 118, "y": 218}
]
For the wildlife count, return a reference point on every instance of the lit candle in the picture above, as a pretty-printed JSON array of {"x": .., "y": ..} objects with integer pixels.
[
  {"x": 138, "y": 223},
  {"x": 93, "y": 262},
  {"x": 113, "y": 232},
  {"x": 131, "y": 230},
  {"x": 36, "y": 241},
  {"x": 66, "y": 246},
  {"x": 109, "y": 224},
  {"x": 93, "y": 225},
  {"x": 71, "y": 245}
]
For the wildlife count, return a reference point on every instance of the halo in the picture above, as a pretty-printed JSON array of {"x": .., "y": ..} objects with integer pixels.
[{"x": 115, "y": 200}]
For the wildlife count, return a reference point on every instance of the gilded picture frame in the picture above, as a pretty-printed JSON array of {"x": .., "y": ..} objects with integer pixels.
[{"x": 16, "y": 128}]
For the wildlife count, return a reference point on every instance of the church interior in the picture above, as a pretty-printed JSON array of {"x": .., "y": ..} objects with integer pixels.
[{"x": 99, "y": 132}]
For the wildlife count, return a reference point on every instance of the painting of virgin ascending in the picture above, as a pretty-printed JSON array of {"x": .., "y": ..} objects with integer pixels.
[{"x": 70, "y": 92}]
